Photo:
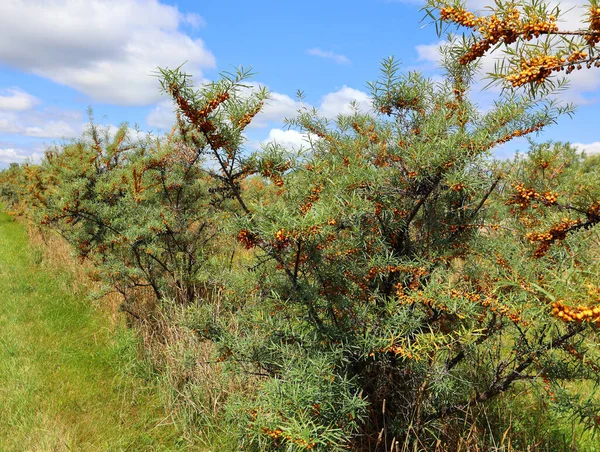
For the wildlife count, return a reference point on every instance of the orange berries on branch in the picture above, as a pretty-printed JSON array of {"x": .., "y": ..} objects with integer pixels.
[
  {"x": 282, "y": 240},
  {"x": 593, "y": 37},
  {"x": 524, "y": 196},
  {"x": 249, "y": 116},
  {"x": 522, "y": 23},
  {"x": 247, "y": 238},
  {"x": 557, "y": 233},
  {"x": 576, "y": 313},
  {"x": 535, "y": 70}
]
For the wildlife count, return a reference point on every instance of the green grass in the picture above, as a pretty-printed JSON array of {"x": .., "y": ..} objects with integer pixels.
[{"x": 69, "y": 380}]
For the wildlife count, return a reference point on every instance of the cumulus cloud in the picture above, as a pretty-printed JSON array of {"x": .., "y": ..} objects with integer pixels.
[
  {"x": 582, "y": 87},
  {"x": 329, "y": 55},
  {"x": 42, "y": 123},
  {"x": 17, "y": 100},
  {"x": 52, "y": 129},
  {"x": 430, "y": 52},
  {"x": 11, "y": 155},
  {"x": 277, "y": 108},
  {"x": 107, "y": 49},
  {"x": 590, "y": 148},
  {"x": 162, "y": 115},
  {"x": 8, "y": 123},
  {"x": 290, "y": 139},
  {"x": 332, "y": 105},
  {"x": 193, "y": 19},
  {"x": 280, "y": 106},
  {"x": 340, "y": 102}
]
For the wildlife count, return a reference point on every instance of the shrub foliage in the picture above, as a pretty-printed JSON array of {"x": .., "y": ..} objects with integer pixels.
[{"x": 381, "y": 286}]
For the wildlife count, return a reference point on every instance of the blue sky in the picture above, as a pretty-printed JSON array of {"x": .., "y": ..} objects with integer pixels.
[{"x": 58, "y": 57}]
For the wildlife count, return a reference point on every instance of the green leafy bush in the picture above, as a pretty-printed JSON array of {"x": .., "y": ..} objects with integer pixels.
[{"x": 400, "y": 280}]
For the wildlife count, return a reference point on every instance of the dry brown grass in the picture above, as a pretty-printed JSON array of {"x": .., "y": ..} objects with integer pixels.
[
  {"x": 55, "y": 252},
  {"x": 195, "y": 385}
]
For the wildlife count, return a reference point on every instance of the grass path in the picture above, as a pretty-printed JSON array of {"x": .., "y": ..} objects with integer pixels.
[{"x": 67, "y": 379}]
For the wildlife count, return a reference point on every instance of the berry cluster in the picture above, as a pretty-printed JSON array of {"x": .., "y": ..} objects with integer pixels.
[
  {"x": 397, "y": 350},
  {"x": 576, "y": 313},
  {"x": 477, "y": 50},
  {"x": 490, "y": 303},
  {"x": 247, "y": 238},
  {"x": 281, "y": 239},
  {"x": 515, "y": 134},
  {"x": 524, "y": 196},
  {"x": 494, "y": 29},
  {"x": 508, "y": 27},
  {"x": 535, "y": 70},
  {"x": 196, "y": 116},
  {"x": 278, "y": 433},
  {"x": 319, "y": 133},
  {"x": 593, "y": 38},
  {"x": 459, "y": 16},
  {"x": 370, "y": 132},
  {"x": 558, "y": 232},
  {"x": 593, "y": 212},
  {"x": 273, "y": 171},
  {"x": 537, "y": 27},
  {"x": 312, "y": 198},
  {"x": 247, "y": 118}
]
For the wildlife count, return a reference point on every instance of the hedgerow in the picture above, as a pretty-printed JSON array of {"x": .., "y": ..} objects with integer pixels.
[{"x": 379, "y": 287}]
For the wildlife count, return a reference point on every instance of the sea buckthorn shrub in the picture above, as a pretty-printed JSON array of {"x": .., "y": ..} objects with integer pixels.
[
  {"x": 379, "y": 288},
  {"x": 534, "y": 48},
  {"x": 539, "y": 259},
  {"x": 144, "y": 210},
  {"x": 552, "y": 195},
  {"x": 10, "y": 185},
  {"x": 384, "y": 310},
  {"x": 150, "y": 214}
]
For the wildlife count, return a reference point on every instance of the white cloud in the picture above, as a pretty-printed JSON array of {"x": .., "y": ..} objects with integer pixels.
[
  {"x": 280, "y": 106},
  {"x": 52, "y": 129},
  {"x": 17, "y": 100},
  {"x": 11, "y": 155},
  {"x": 277, "y": 108},
  {"x": 581, "y": 87},
  {"x": 193, "y": 19},
  {"x": 339, "y": 102},
  {"x": 162, "y": 115},
  {"x": 107, "y": 49},
  {"x": 332, "y": 105},
  {"x": 287, "y": 138},
  {"x": 329, "y": 55},
  {"x": 430, "y": 52},
  {"x": 45, "y": 123},
  {"x": 8, "y": 123},
  {"x": 590, "y": 148}
]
